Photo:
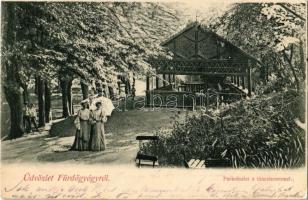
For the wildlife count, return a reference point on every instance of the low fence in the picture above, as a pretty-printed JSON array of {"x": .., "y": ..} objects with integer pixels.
[
  {"x": 163, "y": 98},
  {"x": 57, "y": 113}
]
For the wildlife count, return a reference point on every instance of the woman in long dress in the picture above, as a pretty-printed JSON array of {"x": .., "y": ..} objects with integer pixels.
[
  {"x": 98, "y": 141},
  {"x": 82, "y": 123}
]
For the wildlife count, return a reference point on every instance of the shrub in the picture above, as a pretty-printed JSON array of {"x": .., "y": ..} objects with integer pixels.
[{"x": 259, "y": 132}]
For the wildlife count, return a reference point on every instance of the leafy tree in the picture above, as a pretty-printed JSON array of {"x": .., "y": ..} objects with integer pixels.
[
  {"x": 90, "y": 41},
  {"x": 274, "y": 33},
  {"x": 12, "y": 80}
]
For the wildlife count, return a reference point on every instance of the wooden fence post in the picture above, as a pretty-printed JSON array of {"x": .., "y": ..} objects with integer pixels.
[
  {"x": 249, "y": 80},
  {"x": 164, "y": 80},
  {"x": 147, "y": 92},
  {"x": 207, "y": 99},
  {"x": 243, "y": 82},
  {"x": 217, "y": 101},
  {"x": 157, "y": 81}
]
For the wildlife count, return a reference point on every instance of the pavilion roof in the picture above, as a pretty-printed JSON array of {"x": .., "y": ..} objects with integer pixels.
[{"x": 205, "y": 29}]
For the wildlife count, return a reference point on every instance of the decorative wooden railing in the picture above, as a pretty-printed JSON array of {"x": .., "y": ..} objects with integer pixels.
[
  {"x": 200, "y": 66},
  {"x": 191, "y": 87}
]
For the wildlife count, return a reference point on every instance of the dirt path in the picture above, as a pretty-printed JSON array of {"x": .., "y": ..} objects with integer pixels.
[{"x": 122, "y": 129}]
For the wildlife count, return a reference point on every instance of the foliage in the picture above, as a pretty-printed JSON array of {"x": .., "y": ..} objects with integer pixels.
[
  {"x": 52, "y": 41},
  {"x": 273, "y": 33},
  {"x": 260, "y": 132},
  {"x": 89, "y": 40}
]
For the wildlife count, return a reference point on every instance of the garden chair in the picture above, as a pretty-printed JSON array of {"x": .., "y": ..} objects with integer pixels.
[{"x": 142, "y": 157}]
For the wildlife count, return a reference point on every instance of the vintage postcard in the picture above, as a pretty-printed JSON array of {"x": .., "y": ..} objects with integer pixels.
[{"x": 153, "y": 99}]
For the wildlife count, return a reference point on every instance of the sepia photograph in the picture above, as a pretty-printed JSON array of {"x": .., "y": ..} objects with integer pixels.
[{"x": 153, "y": 86}]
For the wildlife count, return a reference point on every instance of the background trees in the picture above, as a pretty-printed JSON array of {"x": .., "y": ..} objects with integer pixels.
[
  {"x": 60, "y": 42},
  {"x": 274, "y": 33},
  {"x": 63, "y": 41}
]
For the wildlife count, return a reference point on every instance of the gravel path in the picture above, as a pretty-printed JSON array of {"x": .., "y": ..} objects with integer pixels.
[{"x": 122, "y": 129}]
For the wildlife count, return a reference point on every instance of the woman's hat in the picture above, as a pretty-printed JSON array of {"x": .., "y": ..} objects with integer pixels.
[{"x": 99, "y": 102}]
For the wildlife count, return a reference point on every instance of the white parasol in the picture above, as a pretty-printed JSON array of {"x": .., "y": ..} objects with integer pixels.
[{"x": 107, "y": 105}]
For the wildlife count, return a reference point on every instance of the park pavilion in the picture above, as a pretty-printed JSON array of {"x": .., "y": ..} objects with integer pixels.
[{"x": 202, "y": 61}]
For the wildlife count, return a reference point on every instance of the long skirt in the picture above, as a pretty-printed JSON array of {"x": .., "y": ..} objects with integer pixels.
[
  {"x": 82, "y": 137},
  {"x": 98, "y": 141}
]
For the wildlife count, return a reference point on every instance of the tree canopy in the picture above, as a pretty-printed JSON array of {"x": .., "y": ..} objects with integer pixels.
[
  {"x": 274, "y": 33},
  {"x": 91, "y": 41}
]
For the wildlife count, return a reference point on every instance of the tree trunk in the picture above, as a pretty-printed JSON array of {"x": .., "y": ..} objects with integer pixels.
[
  {"x": 25, "y": 93},
  {"x": 134, "y": 81},
  {"x": 41, "y": 102},
  {"x": 84, "y": 90},
  {"x": 97, "y": 85},
  {"x": 36, "y": 85},
  {"x": 106, "y": 90},
  {"x": 302, "y": 59},
  {"x": 70, "y": 97},
  {"x": 289, "y": 60},
  {"x": 111, "y": 92},
  {"x": 47, "y": 102},
  {"x": 63, "y": 84},
  {"x": 15, "y": 101},
  {"x": 12, "y": 87}
]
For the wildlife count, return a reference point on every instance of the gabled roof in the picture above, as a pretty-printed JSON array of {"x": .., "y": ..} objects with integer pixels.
[
  {"x": 187, "y": 28},
  {"x": 205, "y": 29}
]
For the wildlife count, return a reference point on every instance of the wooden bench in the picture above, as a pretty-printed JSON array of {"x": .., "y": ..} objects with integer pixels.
[
  {"x": 144, "y": 157},
  {"x": 195, "y": 164},
  {"x": 218, "y": 163},
  {"x": 208, "y": 163}
]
